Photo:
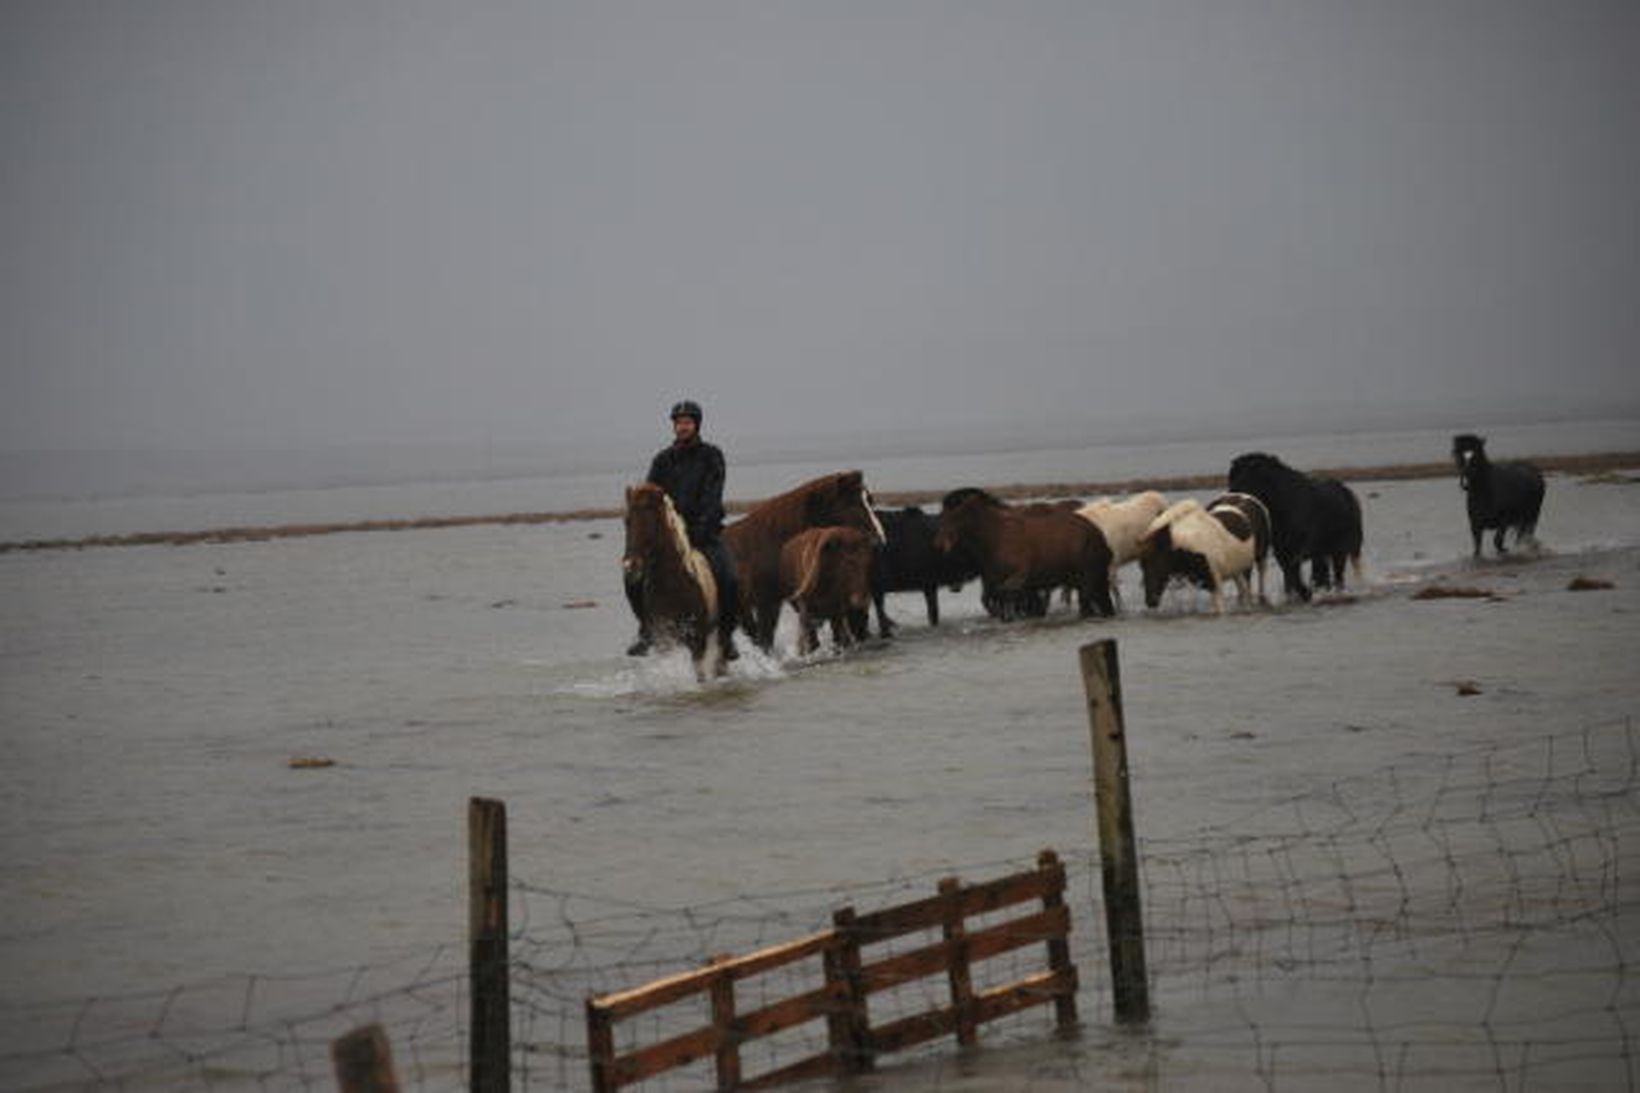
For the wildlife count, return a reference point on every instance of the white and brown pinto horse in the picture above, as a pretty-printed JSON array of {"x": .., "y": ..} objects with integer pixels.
[
  {"x": 1204, "y": 546},
  {"x": 1245, "y": 515},
  {"x": 678, "y": 593},
  {"x": 1124, "y": 524},
  {"x": 755, "y": 540}
]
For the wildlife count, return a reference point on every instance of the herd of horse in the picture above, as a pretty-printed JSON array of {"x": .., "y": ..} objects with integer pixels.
[{"x": 826, "y": 550}]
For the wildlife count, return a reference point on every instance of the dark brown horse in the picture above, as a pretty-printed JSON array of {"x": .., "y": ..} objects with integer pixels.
[
  {"x": 754, "y": 541},
  {"x": 679, "y": 596},
  {"x": 1023, "y": 551}
]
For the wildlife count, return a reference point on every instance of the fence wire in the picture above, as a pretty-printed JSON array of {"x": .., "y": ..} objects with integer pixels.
[{"x": 1456, "y": 921}]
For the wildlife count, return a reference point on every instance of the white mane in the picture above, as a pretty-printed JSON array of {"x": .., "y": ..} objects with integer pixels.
[{"x": 694, "y": 561}]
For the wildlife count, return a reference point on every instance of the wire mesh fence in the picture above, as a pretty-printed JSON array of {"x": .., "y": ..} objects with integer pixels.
[{"x": 1458, "y": 920}]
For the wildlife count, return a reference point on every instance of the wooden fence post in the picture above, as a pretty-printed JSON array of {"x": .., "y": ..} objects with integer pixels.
[
  {"x": 957, "y": 968},
  {"x": 601, "y": 1048},
  {"x": 723, "y": 1020},
  {"x": 490, "y": 1054},
  {"x": 364, "y": 1062},
  {"x": 1119, "y": 859},
  {"x": 1059, "y": 948},
  {"x": 850, "y": 1030}
]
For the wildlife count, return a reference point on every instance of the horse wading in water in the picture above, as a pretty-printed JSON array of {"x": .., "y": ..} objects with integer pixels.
[
  {"x": 672, "y": 580},
  {"x": 825, "y": 574},
  {"x": 1313, "y": 519},
  {"x": 1500, "y": 495},
  {"x": 755, "y": 540}
]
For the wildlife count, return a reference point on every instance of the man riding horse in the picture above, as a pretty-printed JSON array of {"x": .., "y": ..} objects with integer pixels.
[{"x": 691, "y": 471}]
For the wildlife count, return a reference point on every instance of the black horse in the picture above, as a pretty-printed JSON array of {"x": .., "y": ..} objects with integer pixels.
[
  {"x": 1500, "y": 495},
  {"x": 906, "y": 561},
  {"x": 1312, "y": 519}
]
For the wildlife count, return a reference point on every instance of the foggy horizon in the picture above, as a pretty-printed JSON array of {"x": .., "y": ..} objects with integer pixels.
[{"x": 239, "y": 226}]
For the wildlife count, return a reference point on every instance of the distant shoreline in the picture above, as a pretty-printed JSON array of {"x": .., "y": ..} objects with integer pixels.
[{"x": 1590, "y": 465}]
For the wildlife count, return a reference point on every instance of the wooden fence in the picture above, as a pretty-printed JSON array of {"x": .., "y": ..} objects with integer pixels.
[{"x": 851, "y": 975}]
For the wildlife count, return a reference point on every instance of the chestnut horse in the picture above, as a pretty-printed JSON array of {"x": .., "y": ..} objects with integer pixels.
[
  {"x": 825, "y": 574},
  {"x": 1030, "y": 551},
  {"x": 754, "y": 541},
  {"x": 679, "y": 594}
]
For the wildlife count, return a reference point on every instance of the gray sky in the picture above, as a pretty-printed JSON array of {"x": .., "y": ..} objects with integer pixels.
[{"x": 285, "y": 223}]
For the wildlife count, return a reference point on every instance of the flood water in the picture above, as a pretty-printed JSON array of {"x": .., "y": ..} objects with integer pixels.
[{"x": 156, "y": 834}]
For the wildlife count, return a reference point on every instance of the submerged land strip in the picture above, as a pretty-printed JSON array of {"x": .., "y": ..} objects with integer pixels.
[{"x": 1603, "y": 466}]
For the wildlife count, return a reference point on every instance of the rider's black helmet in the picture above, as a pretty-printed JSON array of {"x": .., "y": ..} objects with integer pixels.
[{"x": 687, "y": 408}]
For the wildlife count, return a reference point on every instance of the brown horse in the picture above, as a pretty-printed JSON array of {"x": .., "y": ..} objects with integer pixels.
[
  {"x": 825, "y": 574},
  {"x": 679, "y": 595},
  {"x": 1025, "y": 552},
  {"x": 754, "y": 541}
]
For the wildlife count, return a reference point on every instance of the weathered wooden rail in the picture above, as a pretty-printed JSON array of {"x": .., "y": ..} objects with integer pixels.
[{"x": 850, "y": 975}]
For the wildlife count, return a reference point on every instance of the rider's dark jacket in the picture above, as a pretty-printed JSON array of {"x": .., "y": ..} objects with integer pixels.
[{"x": 692, "y": 475}]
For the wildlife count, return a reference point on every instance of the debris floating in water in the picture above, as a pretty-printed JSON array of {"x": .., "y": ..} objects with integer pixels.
[
  {"x": 1581, "y": 583},
  {"x": 311, "y": 762},
  {"x": 579, "y": 605},
  {"x": 1454, "y": 592}
]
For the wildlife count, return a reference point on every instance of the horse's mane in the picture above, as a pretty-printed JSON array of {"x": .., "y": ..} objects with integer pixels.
[
  {"x": 675, "y": 527},
  {"x": 694, "y": 562},
  {"x": 812, "y": 544},
  {"x": 1264, "y": 465},
  {"x": 968, "y": 493},
  {"x": 1469, "y": 442},
  {"x": 1131, "y": 503}
]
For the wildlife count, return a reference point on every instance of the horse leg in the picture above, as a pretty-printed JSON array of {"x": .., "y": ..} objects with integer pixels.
[
  {"x": 1099, "y": 589},
  {"x": 885, "y": 625},
  {"x": 1216, "y": 587},
  {"x": 635, "y": 600},
  {"x": 708, "y": 653},
  {"x": 1292, "y": 577},
  {"x": 808, "y": 637},
  {"x": 1497, "y": 538},
  {"x": 931, "y": 597},
  {"x": 859, "y": 625},
  {"x": 768, "y": 614}
]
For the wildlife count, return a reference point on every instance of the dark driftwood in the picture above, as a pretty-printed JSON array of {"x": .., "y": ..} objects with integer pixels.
[{"x": 364, "y": 1062}]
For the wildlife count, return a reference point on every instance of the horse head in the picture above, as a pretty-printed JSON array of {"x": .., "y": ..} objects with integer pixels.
[
  {"x": 1156, "y": 560},
  {"x": 842, "y": 500},
  {"x": 1155, "y": 563},
  {"x": 1258, "y": 473},
  {"x": 1468, "y": 452},
  {"x": 653, "y": 528}
]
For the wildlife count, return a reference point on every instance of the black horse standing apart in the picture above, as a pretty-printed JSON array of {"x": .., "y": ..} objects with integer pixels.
[
  {"x": 1311, "y": 519},
  {"x": 1500, "y": 495}
]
